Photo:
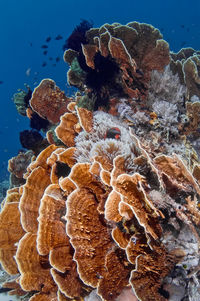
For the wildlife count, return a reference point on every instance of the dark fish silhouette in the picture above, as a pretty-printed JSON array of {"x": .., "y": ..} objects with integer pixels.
[
  {"x": 57, "y": 59},
  {"x": 54, "y": 65},
  {"x": 58, "y": 37},
  {"x": 45, "y": 52},
  {"x": 50, "y": 58},
  {"x": 31, "y": 44},
  {"x": 182, "y": 25},
  {"x": 44, "y": 64},
  {"x": 1, "y": 82},
  {"x": 48, "y": 39},
  {"x": 44, "y": 46}
]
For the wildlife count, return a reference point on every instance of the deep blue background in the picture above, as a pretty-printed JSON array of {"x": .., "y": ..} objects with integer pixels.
[{"x": 31, "y": 21}]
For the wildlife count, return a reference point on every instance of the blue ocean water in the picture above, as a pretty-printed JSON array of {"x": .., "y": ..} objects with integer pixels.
[{"x": 25, "y": 25}]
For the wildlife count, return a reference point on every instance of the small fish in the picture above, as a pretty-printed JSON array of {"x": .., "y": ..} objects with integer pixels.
[
  {"x": 54, "y": 65},
  {"x": 48, "y": 39},
  {"x": 28, "y": 72},
  {"x": 58, "y": 37},
  {"x": 113, "y": 133},
  {"x": 44, "y": 46},
  {"x": 44, "y": 64},
  {"x": 50, "y": 58},
  {"x": 57, "y": 59},
  {"x": 45, "y": 52},
  {"x": 31, "y": 44},
  {"x": 1, "y": 82},
  {"x": 182, "y": 25}
]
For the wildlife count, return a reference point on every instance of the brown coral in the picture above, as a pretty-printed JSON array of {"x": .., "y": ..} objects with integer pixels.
[
  {"x": 37, "y": 253},
  {"x": 10, "y": 231},
  {"x": 89, "y": 52},
  {"x": 49, "y": 101},
  {"x": 150, "y": 269},
  {"x": 66, "y": 130},
  {"x": 134, "y": 195},
  {"x": 176, "y": 171},
  {"x": 52, "y": 209},
  {"x": 30, "y": 201},
  {"x": 18, "y": 165},
  {"x": 34, "y": 269},
  {"x": 135, "y": 48},
  {"x": 186, "y": 64},
  {"x": 85, "y": 119},
  {"x": 15, "y": 287},
  {"x": 115, "y": 219},
  {"x": 88, "y": 242},
  {"x": 193, "y": 113},
  {"x": 88, "y": 235}
]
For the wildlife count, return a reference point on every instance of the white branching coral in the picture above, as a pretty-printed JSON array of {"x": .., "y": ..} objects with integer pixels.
[
  {"x": 166, "y": 86},
  {"x": 109, "y": 148},
  {"x": 125, "y": 111},
  {"x": 167, "y": 114},
  {"x": 141, "y": 118},
  {"x": 95, "y": 143}
]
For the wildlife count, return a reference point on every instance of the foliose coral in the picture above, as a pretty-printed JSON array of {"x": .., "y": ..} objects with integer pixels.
[
  {"x": 185, "y": 63},
  {"x": 117, "y": 61},
  {"x": 110, "y": 208}
]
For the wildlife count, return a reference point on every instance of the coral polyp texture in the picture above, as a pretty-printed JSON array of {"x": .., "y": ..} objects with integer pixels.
[{"x": 110, "y": 209}]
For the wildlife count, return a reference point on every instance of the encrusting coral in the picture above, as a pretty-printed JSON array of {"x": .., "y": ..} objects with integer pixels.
[
  {"x": 110, "y": 209},
  {"x": 49, "y": 101}
]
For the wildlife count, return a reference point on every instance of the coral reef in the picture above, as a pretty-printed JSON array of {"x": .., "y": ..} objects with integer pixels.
[
  {"x": 18, "y": 165},
  {"x": 110, "y": 206},
  {"x": 117, "y": 61},
  {"x": 33, "y": 140},
  {"x": 21, "y": 100},
  {"x": 48, "y": 101},
  {"x": 4, "y": 185},
  {"x": 186, "y": 64}
]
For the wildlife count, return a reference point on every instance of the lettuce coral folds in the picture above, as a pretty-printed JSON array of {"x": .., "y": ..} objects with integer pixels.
[{"x": 110, "y": 209}]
